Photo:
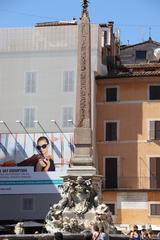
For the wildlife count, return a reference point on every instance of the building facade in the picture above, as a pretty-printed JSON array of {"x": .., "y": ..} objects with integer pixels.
[
  {"x": 127, "y": 142},
  {"x": 139, "y": 53},
  {"x": 38, "y": 73}
]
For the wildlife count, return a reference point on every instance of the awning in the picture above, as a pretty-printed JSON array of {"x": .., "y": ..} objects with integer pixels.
[{"x": 28, "y": 224}]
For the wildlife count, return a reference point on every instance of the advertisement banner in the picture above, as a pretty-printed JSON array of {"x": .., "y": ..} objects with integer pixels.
[{"x": 34, "y": 163}]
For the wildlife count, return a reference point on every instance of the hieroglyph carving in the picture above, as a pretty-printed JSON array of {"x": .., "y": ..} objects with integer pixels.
[{"x": 84, "y": 77}]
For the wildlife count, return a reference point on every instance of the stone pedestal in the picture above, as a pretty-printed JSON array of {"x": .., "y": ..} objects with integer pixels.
[
  {"x": 82, "y": 171},
  {"x": 82, "y": 163}
]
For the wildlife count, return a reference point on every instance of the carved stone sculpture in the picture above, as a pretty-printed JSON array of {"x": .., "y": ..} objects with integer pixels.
[
  {"x": 78, "y": 209},
  {"x": 19, "y": 228}
]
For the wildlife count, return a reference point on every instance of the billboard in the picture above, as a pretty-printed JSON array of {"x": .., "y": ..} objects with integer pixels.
[{"x": 24, "y": 167}]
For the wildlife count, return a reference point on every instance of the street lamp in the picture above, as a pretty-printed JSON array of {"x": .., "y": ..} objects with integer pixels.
[
  {"x": 37, "y": 121},
  {"x": 54, "y": 121},
  {"x": 71, "y": 121},
  {"x": 20, "y": 122},
  {"x": 3, "y": 122}
]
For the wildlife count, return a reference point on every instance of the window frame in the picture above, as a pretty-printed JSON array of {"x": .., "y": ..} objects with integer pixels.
[
  {"x": 63, "y": 81},
  {"x": 118, "y": 166},
  {"x": 36, "y": 83},
  {"x": 137, "y": 58},
  {"x": 149, "y": 208},
  {"x": 148, "y": 92},
  {"x": 35, "y": 110},
  {"x": 115, "y": 206},
  {"x": 62, "y": 112},
  {"x": 22, "y": 199},
  {"x": 149, "y": 137},
  {"x": 111, "y": 121},
  {"x": 105, "y": 94},
  {"x": 150, "y": 179}
]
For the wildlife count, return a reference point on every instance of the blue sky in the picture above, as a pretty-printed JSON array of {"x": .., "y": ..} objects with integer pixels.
[{"x": 136, "y": 19}]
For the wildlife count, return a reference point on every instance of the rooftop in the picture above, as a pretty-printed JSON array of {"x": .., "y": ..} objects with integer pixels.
[
  {"x": 57, "y": 23},
  {"x": 141, "y": 43},
  {"x": 134, "y": 70}
]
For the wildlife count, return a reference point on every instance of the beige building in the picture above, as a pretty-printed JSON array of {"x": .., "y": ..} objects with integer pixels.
[
  {"x": 128, "y": 142},
  {"x": 139, "y": 53}
]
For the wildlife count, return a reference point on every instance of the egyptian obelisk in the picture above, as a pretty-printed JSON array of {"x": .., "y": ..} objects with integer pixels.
[{"x": 83, "y": 162}]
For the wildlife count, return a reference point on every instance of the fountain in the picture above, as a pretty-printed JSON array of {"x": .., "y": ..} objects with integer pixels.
[
  {"x": 80, "y": 206},
  {"x": 79, "y": 209}
]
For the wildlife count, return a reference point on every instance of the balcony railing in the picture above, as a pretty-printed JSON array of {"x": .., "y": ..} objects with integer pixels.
[{"x": 132, "y": 183}]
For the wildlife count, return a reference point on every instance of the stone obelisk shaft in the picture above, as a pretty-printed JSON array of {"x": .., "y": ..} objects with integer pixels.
[
  {"x": 83, "y": 159},
  {"x": 83, "y": 98}
]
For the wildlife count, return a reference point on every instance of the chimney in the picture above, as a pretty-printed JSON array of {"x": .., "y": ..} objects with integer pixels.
[{"x": 110, "y": 26}]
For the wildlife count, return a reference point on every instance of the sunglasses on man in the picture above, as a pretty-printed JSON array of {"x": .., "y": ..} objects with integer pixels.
[{"x": 43, "y": 146}]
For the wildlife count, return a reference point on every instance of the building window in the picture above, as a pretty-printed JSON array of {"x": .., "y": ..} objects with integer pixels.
[
  {"x": 67, "y": 115},
  {"x": 154, "y": 130},
  {"x": 154, "y": 92},
  {"x": 27, "y": 204},
  {"x": 30, "y": 82},
  {"x": 111, "y": 94},
  {"x": 111, "y": 207},
  {"x": 68, "y": 81},
  {"x": 154, "y": 172},
  {"x": 29, "y": 117},
  {"x": 141, "y": 55},
  {"x": 111, "y": 131},
  {"x": 111, "y": 178},
  {"x": 155, "y": 209}
]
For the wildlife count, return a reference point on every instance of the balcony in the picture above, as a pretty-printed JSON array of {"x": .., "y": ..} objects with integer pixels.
[{"x": 131, "y": 183}]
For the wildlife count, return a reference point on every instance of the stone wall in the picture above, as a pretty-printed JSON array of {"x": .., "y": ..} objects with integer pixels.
[
  {"x": 39, "y": 237},
  {"x": 51, "y": 237}
]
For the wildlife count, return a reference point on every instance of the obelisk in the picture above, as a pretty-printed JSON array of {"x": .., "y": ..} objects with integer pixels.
[{"x": 83, "y": 162}]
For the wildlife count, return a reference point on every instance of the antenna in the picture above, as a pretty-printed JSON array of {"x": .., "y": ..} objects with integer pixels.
[
  {"x": 117, "y": 35},
  {"x": 142, "y": 35},
  {"x": 150, "y": 31}
]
